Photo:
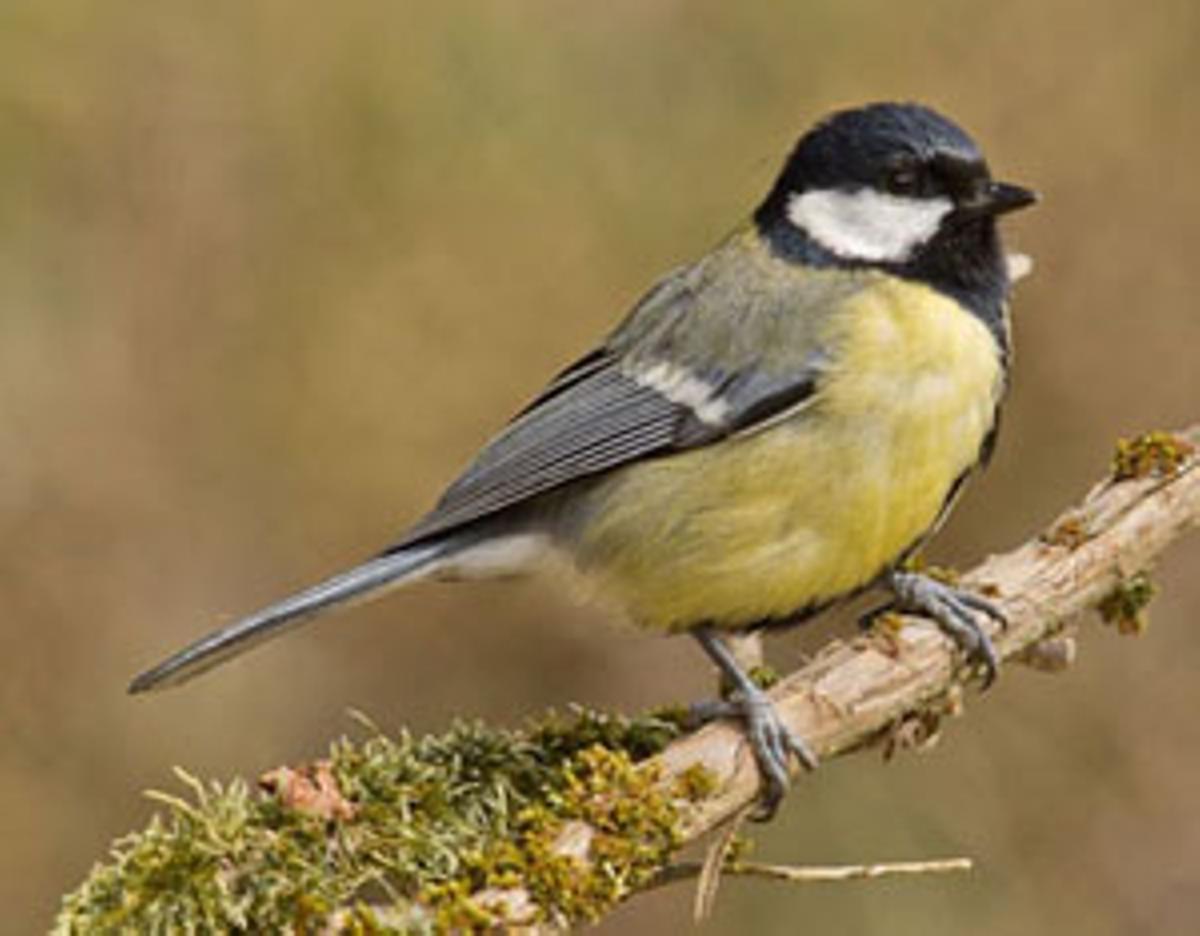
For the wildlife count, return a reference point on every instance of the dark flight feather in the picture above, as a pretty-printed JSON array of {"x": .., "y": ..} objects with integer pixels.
[{"x": 597, "y": 417}]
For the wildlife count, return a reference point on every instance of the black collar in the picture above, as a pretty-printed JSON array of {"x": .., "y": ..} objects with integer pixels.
[{"x": 965, "y": 263}]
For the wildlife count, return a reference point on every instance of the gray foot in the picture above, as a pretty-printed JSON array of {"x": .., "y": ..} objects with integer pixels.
[
  {"x": 953, "y": 610},
  {"x": 772, "y": 742}
]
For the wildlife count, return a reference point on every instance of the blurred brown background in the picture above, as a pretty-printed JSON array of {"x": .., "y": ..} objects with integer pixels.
[{"x": 270, "y": 271}]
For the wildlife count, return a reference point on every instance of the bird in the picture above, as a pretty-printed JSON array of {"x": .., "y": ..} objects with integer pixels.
[{"x": 772, "y": 429}]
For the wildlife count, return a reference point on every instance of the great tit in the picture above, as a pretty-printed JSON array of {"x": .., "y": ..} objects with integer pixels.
[{"x": 773, "y": 428}]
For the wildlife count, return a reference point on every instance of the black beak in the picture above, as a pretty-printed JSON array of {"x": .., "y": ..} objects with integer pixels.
[{"x": 997, "y": 199}]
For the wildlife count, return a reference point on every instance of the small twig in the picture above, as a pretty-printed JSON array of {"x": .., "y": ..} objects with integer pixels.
[
  {"x": 716, "y": 861},
  {"x": 817, "y": 874}
]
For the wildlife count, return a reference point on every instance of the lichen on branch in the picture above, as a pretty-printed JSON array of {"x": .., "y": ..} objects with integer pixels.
[{"x": 442, "y": 831}]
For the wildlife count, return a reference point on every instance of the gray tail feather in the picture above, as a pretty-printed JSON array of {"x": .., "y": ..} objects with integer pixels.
[{"x": 391, "y": 569}]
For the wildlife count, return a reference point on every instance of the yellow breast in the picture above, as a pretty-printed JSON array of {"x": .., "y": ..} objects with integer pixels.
[{"x": 764, "y": 524}]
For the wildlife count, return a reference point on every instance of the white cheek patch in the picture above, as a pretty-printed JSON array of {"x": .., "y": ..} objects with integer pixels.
[
  {"x": 867, "y": 224},
  {"x": 683, "y": 388}
]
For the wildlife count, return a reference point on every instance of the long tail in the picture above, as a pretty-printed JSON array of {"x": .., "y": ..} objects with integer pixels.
[{"x": 387, "y": 570}]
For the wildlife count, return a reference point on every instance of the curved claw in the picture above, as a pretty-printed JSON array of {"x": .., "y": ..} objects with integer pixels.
[
  {"x": 979, "y": 603},
  {"x": 773, "y": 742},
  {"x": 951, "y": 609}
]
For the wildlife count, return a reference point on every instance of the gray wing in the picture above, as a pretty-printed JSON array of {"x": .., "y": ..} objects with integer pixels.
[{"x": 664, "y": 382}]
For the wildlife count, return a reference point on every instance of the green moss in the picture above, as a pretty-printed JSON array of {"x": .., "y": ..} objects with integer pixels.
[
  {"x": 1153, "y": 453},
  {"x": 739, "y": 851},
  {"x": 944, "y": 574},
  {"x": 1125, "y": 605},
  {"x": 418, "y": 828},
  {"x": 764, "y": 675},
  {"x": 696, "y": 783},
  {"x": 917, "y": 562}
]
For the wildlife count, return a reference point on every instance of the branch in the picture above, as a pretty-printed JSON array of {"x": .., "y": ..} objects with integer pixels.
[
  {"x": 485, "y": 828},
  {"x": 853, "y": 693}
]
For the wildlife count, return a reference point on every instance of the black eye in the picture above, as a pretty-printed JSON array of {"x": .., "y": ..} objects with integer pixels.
[{"x": 903, "y": 180}]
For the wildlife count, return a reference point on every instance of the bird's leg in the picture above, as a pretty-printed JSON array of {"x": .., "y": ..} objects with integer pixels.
[
  {"x": 771, "y": 740},
  {"x": 953, "y": 609}
]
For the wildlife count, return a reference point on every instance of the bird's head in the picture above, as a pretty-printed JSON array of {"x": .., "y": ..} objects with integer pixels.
[{"x": 887, "y": 185}]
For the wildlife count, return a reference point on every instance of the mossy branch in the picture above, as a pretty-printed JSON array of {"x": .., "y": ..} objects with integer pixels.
[{"x": 486, "y": 828}]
